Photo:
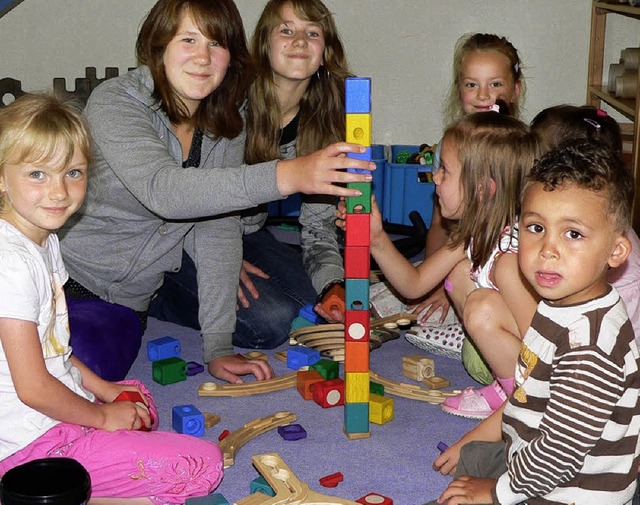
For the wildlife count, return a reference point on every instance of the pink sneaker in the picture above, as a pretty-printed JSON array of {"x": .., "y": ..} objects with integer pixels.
[{"x": 476, "y": 403}]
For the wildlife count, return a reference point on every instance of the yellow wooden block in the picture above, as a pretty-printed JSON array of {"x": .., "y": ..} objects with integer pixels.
[
  {"x": 356, "y": 387},
  {"x": 380, "y": 409},
  {"x": 359, "y": 129}
]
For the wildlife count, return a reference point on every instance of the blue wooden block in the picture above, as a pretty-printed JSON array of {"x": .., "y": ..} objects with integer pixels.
[
  {"x": 299, "y": 356},
  {"x": 358, "y": 95},
  {"x": 260, "y": 485},
  {"x": 292, "y": 432},
  {"x": 356, "y": 294},
  {"x": 187, "y": 419},
  {"x": 308, "y": 313},
  {"x": 212, "y": 499},
  {"x": 365, "y": 156},
  {"x": 163, "y": 348}
]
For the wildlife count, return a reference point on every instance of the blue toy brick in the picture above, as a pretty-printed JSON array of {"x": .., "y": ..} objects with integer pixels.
[
  {"x": 299, "y": 356},
  {"x": 356, "y": 417},
  {"x": 163, "y": 348},
  {"x": 358, "y": 95},
  {"x": 187, "y": 419},
  {"x": 212, "y": 499},
  {"x": 356, "y": 294},
  {"x": 292, "y": 432},
  {"x": 308, "y": 313},
  {"x": 260, "y": 485}
]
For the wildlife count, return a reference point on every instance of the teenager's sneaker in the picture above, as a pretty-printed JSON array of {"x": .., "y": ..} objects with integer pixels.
[{"x": 476, "y": 403}]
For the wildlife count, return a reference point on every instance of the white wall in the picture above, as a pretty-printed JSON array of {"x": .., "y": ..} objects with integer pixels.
[{"x": 404, "y": 45}]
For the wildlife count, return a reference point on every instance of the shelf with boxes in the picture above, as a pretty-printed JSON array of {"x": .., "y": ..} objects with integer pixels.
[{"x": 621, "y": 90}]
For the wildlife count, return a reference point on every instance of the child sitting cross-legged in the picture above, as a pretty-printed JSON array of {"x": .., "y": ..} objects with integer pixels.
[{"x": 569, "y": 432}]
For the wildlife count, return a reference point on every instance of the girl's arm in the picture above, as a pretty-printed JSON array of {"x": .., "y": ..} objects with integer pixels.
[{"x": 38, "y": 389}]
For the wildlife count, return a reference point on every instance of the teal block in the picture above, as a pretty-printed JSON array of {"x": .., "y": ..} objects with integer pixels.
[
  {"x": 356, "y": 417},
  {"x": 212, "y": 499},
  {"x": 356, "y": 294},
  {"x": 260, "y": 485}
]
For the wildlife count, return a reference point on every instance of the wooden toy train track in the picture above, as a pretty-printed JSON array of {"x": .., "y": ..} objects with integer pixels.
[{"x": 328, "y": 339}]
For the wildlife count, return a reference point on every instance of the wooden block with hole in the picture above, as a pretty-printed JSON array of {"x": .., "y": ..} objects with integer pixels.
[
  {"x": 305, "y": 378},
  {"x": 417, "y": 367},
  {"x": 436, "y": 382}
]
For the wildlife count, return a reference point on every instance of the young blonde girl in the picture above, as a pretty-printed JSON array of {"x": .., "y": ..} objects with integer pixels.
[
  {"x": 52, "y": 404},
  {"x": 485, "y": 157}
]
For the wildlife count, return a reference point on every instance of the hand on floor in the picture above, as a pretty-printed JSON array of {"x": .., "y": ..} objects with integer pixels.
[{"x": 231, "y": 368}]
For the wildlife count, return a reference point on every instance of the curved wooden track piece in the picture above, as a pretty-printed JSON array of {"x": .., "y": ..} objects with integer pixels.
[
  {"x": 232, "y": 442},
  {"x": 412, "y": 391},
  {"x": 248, "y": 388},
  {"x": 288, "y": 488}
]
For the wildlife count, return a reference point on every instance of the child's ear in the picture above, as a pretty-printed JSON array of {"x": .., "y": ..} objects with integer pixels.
[
  {"x": 620, "y": 252},
  {"x": 517, "y": 87},
  {"x": 491, "y": 185}
]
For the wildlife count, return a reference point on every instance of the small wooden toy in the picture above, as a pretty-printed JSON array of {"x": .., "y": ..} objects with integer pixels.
[
  {"x": 210, "y": 419},
  {"x": 305, "y": 379},
  {"x": 375, "y": 499},
  {"x": 328, "y": 393},
  {"x": 162, "y": 348},
  {"x": 442, "y": 446},
  {"x": 436, "y": 382},
  {"x": 194, "y": 368},
  {"x": 169, "y": 370},
  {"x": 333, "y": 299},
  {"x": 328, "y": 368},
  {"x": 187, "y": 419},
  {"x": 212, "y": 499},
  {"x": 308, "y": 313},
  {"x": 332, "y": 480},
  {"x": 292, "y": 432},
  {"x": 380, "y": 409},
  {"x": 223, "y": 435},
  {"x": 417, "y": 367},
  {"x": 412, "y": 391}
]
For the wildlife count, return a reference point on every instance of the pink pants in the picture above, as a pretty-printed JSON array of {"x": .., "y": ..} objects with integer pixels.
[{"x": 161, "y": 466}]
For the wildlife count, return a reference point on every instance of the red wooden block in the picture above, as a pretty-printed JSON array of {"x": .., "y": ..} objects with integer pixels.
[
  {"x": 328, "y": 393},
  {"x": 135, "y": 397},
  {"x": 375, "y": 498},
  {"x": 356, "y": 262},
  {"x": 358, "y": 230},
  {"x": 356, "y": 326},
  {"x": 332, "y": 480}
]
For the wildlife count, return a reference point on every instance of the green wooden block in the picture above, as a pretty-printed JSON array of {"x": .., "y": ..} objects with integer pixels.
[
  {"x": 376, "y": 388},
  {"x": 359, "y": 204},
  {"x": 169, "y": 370},
  {"x": 356, "y": 417},
  {"x": 327, "y": 368}
]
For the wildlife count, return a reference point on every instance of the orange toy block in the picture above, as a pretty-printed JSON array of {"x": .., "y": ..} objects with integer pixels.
[
  {"x": 356, "y": 326},
  {"x": 356, "y": 357},
  {"x": 358, "y": 230},
  {"x": 305, "y": 378},
  {"x": 357, "y": 262},
  {"x": 334, "y": 299},
  {"x": 328, "y": 393}
]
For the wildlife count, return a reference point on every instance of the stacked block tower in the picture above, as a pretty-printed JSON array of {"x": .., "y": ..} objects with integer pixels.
[{"x": 356, "y": 267}]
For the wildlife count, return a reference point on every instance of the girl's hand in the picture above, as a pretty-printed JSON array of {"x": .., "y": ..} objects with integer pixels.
[
  {"x": 230, "y": 368},
  {"x": 246, "y": 269},
  {"x": 124, "y": 416},
  {"x": 321, "y": 171},
  {"x": 424, "y": 309},
  {"x": 341, "y": 215},
  {"x": 376, "y": 222}
]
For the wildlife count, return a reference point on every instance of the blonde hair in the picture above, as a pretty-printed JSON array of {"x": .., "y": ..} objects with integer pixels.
[
  {"x": 37, "y": 127},
  {"x": 322, "y": 116},
  {"x": 496, "y": 152},
  {"x": 482, "y": 42}
]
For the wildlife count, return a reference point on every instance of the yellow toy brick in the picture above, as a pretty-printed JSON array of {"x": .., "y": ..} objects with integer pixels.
[
  {"x": 380, "y": 409},
  {"x": 356, "y": 387},
  {"x": 359, "y": 129}
]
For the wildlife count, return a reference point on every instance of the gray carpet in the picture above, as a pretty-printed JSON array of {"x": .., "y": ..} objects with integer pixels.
[{"x": 395, "y": 461}]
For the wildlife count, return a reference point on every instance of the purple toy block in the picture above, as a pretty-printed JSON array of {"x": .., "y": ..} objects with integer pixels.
[
  {"x": 194, "y": 368},
  {"x": 292, "y": 432}
]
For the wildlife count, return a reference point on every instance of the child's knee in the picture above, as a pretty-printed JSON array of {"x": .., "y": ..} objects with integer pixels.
[{"x": 479, "y": 309}]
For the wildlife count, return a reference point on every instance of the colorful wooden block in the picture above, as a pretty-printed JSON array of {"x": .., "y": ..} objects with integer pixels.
[
  {"x": 380, "y": 409},
  {"x": 362, "y": 203},
  {"x": 328, "y": 368},
  {"x": 359, "y": 129},
  {"x": 299, "y": 356},
  {"x": 187, "y": 419},
  {"x": 417, "y": 367},
  {"x": 356, "y": 326},
  {"x": 358, "y": 95},
  {"x": 356, "y": 357},
  {"x": 356, "y": 387},
  {"x": 308, "y": 313},
  {"x": 358, "y": 232},
  {"x": 436, "y": 382},
  {"x": 376, "y": 388},
  {"x": 356, "y": 418},
  {"x": 292, "y": 432},
  {"x": 163, "y": 348},
  {"x": 334, "y": 299},
  {"x": 305, "y": 378},
  {"x": 375, "y": 499},
  {"x": 194, "y": 368},
  {"x": 356, "y": 262},
  {"x": 328, "y": 393},
  {"x": 169, "y": 371},
  {"x": 332, "y": 480},
  {"x": 135, "y": 397},
  {"x": 212, "y": 499},
  {"x": 357, "y": 294}
]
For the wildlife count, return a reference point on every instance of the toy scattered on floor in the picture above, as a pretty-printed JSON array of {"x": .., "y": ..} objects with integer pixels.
[
  {"x": 328, "y": 368},
  {"x": 210, "y": 419},
  {"x": 381, "y": 409},
  {"x": 187, "y": 419},
  {"x": 233, "y": 441},
  {"x": 305, "y": 379},
  {"x": 417, "y": 367},
  {"x": 260, "y": 485},
  {"x": 223, "y": 435},
  {"x": 328, "y": 393},
  {"x": 212, "y": 499},
  {"x": 288, "y": 488},
  {"x": 163, "y": 348},
  {"x": 412, "y": 391},
  {"x": 334, "y": 299},
  {"x": 300, "y": 356},
  {"x": 169, "y": 370},
  {"x": 249, "y": 388},
  {"x": 442, "y": 446},
  {"x": 135, "y": 397},
  {"x": 375, "y": 499},
  {"x": 436, "y": 382},
  {"x": 332, "y": 480},
  {"x": 308, "y": 313},
  {"x": 194, "y": 368},
  {"x": 292, "y": 432}
]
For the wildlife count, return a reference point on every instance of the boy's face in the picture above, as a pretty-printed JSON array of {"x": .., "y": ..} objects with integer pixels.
[{"x": 567, "y": 242}]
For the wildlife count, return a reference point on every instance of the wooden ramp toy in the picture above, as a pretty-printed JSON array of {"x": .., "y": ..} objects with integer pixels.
[
  {"x": 412, "y": 391},
  {"x": 248, "y": 388},
  {"x": 288, "y": 488}
]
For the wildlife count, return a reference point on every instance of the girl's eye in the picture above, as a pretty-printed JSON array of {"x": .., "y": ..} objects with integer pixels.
[
  {"x": 470, "y": 85},
  {"x": 535, "y": 228},
  {"x": 496, "y": 84},
  {"x": 76, "y": 173},
  {"x": 214, "y": 43},
  {"x": 286, "y": 31},
  {"x": 36, "y": 174},
  {"x": 313, "y": 35},
  {"x": 188, "y": 40}
]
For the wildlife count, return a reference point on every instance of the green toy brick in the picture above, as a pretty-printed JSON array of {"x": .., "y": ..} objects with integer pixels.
[
  {"x": 169, "y": 370},
  {"x": 376, "y": 388},
  {"x": 363, "y": 202},
  {"x": 212, "y": 499},
  {"x": 260, "y": 485},
  {"x": 327, "y": 368},
  {"x": 356, "y": 417}
]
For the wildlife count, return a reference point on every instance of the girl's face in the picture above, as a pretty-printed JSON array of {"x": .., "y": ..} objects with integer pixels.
[
  {"x": 297, "y": 47},
  {"x": 195, "y": 65},
  {"x": 486, "y": 76},
  {"x": 448, "y": 182},
  {"x": 38, "y": 199}
]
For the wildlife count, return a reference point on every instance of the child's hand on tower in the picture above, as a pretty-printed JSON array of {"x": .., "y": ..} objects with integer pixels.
[{"x": 124, "y": 416}]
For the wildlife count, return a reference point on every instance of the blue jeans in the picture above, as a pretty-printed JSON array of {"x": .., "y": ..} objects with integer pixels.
[{"x": 265, "y": 324}]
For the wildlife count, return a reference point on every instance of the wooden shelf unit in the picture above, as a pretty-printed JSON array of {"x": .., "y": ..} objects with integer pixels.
[{"x": 597, "y": 93}]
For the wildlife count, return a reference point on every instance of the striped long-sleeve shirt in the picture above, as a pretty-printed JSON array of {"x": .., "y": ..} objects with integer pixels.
[{"x": 572, "y": 425}]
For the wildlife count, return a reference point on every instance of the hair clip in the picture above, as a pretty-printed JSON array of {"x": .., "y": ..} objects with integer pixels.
[
  {"x": 601, "y": 113},
  {"x": 495, "y": 108},
  {"x": 593, "y": 123},
  {"x": 516, "y": 68}
]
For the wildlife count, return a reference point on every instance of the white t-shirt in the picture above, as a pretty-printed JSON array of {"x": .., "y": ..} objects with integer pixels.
[{"x": 31, "y": 280}]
